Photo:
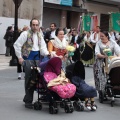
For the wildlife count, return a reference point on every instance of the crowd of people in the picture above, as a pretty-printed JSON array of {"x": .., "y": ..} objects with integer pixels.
[{"x": 34, "y": 43}]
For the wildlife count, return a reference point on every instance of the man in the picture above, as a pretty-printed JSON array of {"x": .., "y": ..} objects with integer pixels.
[
  {"x": 76, "y": 41},
  {"x": 50, "y": 34},
  {"x": 32, "y": 45},
  {"x": 96, "y": 35},
  {"x": 75, "y": 37}
]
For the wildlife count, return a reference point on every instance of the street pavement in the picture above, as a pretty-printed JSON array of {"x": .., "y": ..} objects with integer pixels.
[{"x": 12, "y": 107}]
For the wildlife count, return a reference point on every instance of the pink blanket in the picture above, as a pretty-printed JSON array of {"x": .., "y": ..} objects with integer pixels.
[{"x": 64, "y": 91}]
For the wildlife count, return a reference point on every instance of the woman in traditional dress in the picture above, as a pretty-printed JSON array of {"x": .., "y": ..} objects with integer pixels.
[
  {"x": 57, "y": 47},
  {"x": 87, "y": 54},
  {"x": 101, "y": 45}
]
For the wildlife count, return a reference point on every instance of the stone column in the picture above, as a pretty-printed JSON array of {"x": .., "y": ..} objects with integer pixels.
[{"x": 63, "y": 18}]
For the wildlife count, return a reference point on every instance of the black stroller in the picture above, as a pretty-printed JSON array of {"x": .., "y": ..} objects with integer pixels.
[
  {"x": 76, "y": 73},
  {"x": 109, "y": 85},
  {"x": 48, "y": 96}
]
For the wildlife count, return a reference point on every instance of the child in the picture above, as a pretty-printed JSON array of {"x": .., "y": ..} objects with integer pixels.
[{"x": 83, "y": 90}]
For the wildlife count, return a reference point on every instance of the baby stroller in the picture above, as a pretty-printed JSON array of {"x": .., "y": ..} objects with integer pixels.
[
  {"x": 76, "y": 73},
  {"x": 56, "y": 94},
  {"x": 109, "y": 84}
]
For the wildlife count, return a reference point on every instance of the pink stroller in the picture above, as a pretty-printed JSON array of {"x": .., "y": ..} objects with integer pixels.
[{"x": 55, "y": 94}]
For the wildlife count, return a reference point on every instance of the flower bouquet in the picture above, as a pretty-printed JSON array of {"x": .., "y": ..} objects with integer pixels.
[
  {"x": 70, "y": 50},
  {"x": 108, "y": 52}
]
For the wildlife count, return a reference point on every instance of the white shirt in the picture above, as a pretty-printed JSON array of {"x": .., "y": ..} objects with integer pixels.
[
  {"x": 23, "y": 38},
  {"x": 53, "y": 34},
  {"x": 35, "y": 42},
  {"x": 97, "y": 37},
  {"x": 76, "y": 37}
]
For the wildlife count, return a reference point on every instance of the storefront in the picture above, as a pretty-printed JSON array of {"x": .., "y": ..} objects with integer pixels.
[{"x": 62, "y": 12}]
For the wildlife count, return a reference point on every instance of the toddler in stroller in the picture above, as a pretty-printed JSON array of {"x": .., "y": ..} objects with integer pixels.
[
  {"x": 76, "y": 73},
  {"x": 57, "y": 88}
]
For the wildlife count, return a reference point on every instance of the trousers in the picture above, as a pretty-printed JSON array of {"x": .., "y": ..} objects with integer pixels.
[{"x": 28, "y": 98}]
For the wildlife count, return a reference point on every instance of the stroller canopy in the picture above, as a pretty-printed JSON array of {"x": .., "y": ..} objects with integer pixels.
[
  {"x": 52, "y": 65},
  {"x": 75, "y": 69}
]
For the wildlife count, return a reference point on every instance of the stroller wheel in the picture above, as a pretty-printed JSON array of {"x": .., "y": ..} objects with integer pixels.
[
  {"x": 81, "y": 108},
  {"x": 101, "y": 97},
  {"x": 78, "y": 106},
  {"x": 62, "y": 104},
  {"x": 37, "y": 106},
  {"x": 66, "y": 108},
  {"x": 112, "y": 103},
  {"x": 69, "y": 108},
  {"x": 75, "y": 105},
  {"x": 53, "y": 110}
]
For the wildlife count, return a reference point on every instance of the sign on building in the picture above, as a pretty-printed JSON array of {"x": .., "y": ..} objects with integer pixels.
[{"x": 61, "y": 2}]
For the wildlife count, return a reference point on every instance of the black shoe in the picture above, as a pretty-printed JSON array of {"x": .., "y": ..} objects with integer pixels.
[
  {"x": 29, "y": 105},
  {"x": 19, "y": 78}
]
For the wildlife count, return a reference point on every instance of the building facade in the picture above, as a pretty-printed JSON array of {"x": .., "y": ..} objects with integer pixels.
[
  {"x": 102, "y": 8},
  {"x": 66, "y": 14},
  {"x": 27, "y": 10}
]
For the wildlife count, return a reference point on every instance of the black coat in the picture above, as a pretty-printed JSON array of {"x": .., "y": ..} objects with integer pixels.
[
  {"x": 9, "y": 39},
  {"x": 47, "y": 36}
]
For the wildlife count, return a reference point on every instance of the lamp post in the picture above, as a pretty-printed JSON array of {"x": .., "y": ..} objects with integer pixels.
[{"x": 13, "y": 61}]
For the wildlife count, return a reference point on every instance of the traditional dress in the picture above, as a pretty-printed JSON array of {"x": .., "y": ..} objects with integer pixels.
[
  {"x": 87, "y": 54},
  {"x": 57, "y": 48},
  {"x": 98, "y": 68}
]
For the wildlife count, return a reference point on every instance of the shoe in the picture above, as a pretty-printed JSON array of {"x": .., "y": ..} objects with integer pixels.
[
  {"x": 29, "y": 105},
  {"x": 19, "y": 78},
  {"x": 88, "y": 105},
  {"x": 94, "y": 107}
]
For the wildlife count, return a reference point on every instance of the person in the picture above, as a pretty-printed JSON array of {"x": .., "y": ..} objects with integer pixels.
[
  {"x": 68, "y": 35},
  {"x": 87, "y": 54},
  {"x": 95, "y": 36},
  {"x": 101, "y": 45},
  {"x": 50, "y": 34},
  {"x": 57, "y": 47},
  {"x": 20, "y": 69},
  {"x": 28, "y": 48},
  {"x": 76, "y": 41},
  {"x": 83, "y": 90},
  {"x": 8, "y": 40}
]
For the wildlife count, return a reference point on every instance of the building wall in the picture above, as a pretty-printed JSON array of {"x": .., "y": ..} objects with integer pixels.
[
  {"x": 75, "y": 17},
  {"x": 51, "y": 16},
  {"x": 100, "y": 9},
  {"x": 27, "y": 10}
]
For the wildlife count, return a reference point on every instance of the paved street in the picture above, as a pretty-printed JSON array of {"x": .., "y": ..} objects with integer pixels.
[{"x": 12, "y": 107}]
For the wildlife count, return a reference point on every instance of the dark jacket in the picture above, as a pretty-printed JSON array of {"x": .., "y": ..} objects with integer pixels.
[
  {"x": 9, "y": 39},
  {"x": 47, "y": 36}
]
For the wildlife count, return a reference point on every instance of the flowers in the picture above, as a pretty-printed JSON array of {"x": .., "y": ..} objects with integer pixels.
[
  {"x": 70, "y": 50},
  {"x": 107, "y": 52}
]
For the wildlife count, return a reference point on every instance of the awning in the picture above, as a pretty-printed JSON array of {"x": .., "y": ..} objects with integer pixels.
[{"x": 67, "y": 8}]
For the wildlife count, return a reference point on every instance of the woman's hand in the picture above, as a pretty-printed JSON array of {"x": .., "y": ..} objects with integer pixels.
[
  {"x": 104, "y": 56},
  {"x": 61, "y": 57}
]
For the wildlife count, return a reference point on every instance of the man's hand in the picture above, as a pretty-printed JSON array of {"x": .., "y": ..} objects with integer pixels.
[{"x": 21, "y": 60}]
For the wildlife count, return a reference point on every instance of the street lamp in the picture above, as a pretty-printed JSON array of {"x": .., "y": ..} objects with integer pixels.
[{"x": 13, "y": 61}]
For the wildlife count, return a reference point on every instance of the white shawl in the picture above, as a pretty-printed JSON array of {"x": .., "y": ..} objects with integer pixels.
[{"x": 57, "y": 43}]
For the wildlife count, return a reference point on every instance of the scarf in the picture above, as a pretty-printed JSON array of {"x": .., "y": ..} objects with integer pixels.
[{"x": 57, "y": 43}]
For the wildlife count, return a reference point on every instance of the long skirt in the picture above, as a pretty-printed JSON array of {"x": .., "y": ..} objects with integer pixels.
[
  {"x": 88, "y": 54},
  {"x": 99, "y": 74}
]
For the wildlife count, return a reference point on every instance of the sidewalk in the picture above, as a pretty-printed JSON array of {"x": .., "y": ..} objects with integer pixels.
[{"x": 4, "y": 62}]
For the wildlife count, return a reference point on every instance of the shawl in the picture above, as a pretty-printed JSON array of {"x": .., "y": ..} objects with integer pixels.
[{"x": 57, "y": 43}]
